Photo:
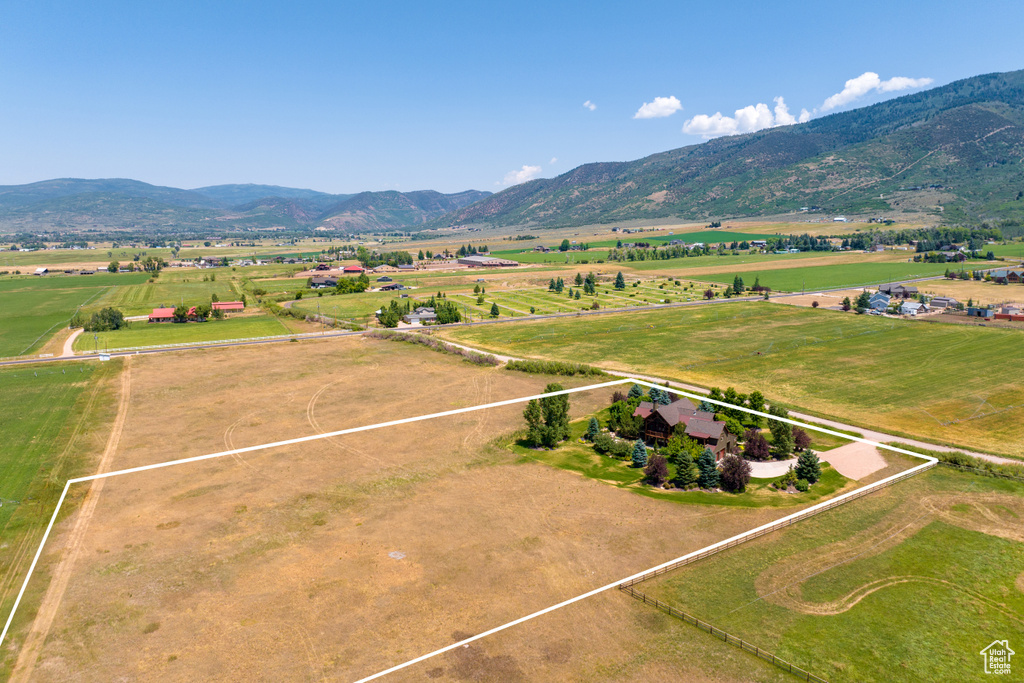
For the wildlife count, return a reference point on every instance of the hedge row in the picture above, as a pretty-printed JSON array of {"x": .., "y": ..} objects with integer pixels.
[
  {"x": 962, "y": 461},
  {"x": 436, "y": 345},
  {"x": 554, "y": 367}
]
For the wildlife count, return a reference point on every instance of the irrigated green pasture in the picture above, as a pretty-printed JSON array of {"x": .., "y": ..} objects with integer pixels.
[
  {"x": 142, "y": 333},
  {"x": 33, "y": 308},
  {"x": 165, "y": 291},
  {"x": 907, "y": 584},
  {"x": 814, "y": 278},
  {"x": 53, "y": 420},
  {"x": 952, "y": 383}
]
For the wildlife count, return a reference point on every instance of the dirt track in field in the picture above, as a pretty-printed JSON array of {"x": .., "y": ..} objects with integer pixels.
[
  {"x": 337, "y": 558},
  {"x": 992, "y": 513}
]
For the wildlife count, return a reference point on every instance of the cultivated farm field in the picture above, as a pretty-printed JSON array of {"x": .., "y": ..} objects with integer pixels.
[
  {"x": 143, "y": 333},
  {"x": 832, "y": 276},
  {"x": 340, "y": 557},
  {"x": 33, "y": 308},
  {"x": 942, "y": 387},
  {"x": 906, "y": 584},
  {"x": 55, "y": 424}
]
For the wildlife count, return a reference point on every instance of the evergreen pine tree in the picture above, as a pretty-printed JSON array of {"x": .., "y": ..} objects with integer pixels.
[
  {"x": 635, "y": 391},
  {"x": 579, "y": 279},
  {"x": 494, "y": 310},
  {"x": 737, "y": 284},
  {"x": 577, "y": 296},
  {"x": 551, "y": 285},
  {"x": 593, "y": 429},
  {"x": 620, "y": 281},
  {"x": 708, "y": 477},
  {"x": 639, "y": 455},
  {"x": 808, "y": 466}
]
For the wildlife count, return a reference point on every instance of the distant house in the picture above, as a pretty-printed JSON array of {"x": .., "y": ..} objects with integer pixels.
[
  {"x": 661, "y": 421},
  {"x": 943, "y": 302},
  {"x": 879, "y": 301},
  {"x": 406, "y": 266},
  {"x": 391, "y": 286},
  {"x": 758, "y": 243},
  {"x": 385, "y": 268},
  {"x": 913, "y": 308},
  {"x": 41, "y": 271},
  {"x": 353, "y": 270},
  {"x": 481, "y": 261},
  {"x": 162, "y": 315},
  {"x": 384, "y": 278},
  {"x": 322, "y": 266},
  {"x": 542, "y": 248},
  {"x": 322, "y": 282},
  {"x": 901, "y": 291},
  {"x": 422, "y": 314},
  {"x": 227, "y": 306},
  {"x": 1005, "y": 276}
]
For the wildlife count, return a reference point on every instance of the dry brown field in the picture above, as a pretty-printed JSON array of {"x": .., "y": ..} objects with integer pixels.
[
  {"x": 983, "y": 293},
  {"x": 338, "y": 558}
]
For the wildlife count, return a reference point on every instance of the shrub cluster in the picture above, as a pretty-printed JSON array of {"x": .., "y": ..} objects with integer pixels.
[{"x": 554, "y": 367}]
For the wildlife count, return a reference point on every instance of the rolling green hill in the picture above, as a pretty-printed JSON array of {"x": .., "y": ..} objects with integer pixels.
[{"x": 951, "y": 154}]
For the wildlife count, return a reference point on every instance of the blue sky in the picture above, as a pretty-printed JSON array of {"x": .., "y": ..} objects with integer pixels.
[{"x": 345, "y": 96}]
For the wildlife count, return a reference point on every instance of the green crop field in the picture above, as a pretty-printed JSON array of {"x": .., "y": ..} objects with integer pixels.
[
  {"x": 907, "y": 584},
  {"x": 142, "y": 333},
  {"x": 33, "y": 308},
  {"x": 813, "y": 278},
  {"x": 955, "y": 383},
  {"x": 139, "y": 299},
  {"x": 358, "y": 307},
  {"x": 55, "y": 418},
  {"x": 591, "y": 255}
]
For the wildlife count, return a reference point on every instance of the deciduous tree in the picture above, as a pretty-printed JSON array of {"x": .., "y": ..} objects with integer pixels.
[
  {"x": 656, "y": 471},
  {"x": 735, "y": 473}
]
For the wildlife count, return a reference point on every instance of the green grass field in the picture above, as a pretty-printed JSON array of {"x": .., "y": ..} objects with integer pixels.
[
  {"x": 33, "y": 308},
  {"x": 142, "y": 333},
  {"x": 814, "y": 278},
  {"x": 953, "y": 383},
  {"x": 54, "y": 421},
  {"x": 907, "y": 584},
  {"x": 139, "y": 299}
]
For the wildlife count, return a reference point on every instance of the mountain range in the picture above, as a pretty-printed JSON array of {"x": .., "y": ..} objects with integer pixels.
[
  {"x": 73, "y": 204},
  {"x": 951, "y": 154}
]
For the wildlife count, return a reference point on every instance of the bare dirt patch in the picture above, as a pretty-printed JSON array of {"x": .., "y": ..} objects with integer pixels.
[{"x": 855, "y": 460}]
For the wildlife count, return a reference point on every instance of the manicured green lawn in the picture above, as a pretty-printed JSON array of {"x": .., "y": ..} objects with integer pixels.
[
  {"x": 33, "y": 308},
  {"x": 900, "y": 376},
  {"x": 142, "y": 333},
  {"x": 813, "y": 278},
  {"x": 942, "y": 590},
  {"x": 577, "y": 456}
]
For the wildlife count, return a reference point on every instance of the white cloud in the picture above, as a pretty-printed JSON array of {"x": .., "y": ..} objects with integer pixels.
[
  {"x": 553, "y": 161},
  {"x": 522, "y": 175},
  {"x": 659, "y": 108},
  {"x": 746, "y": 120},
  {"x": 589, "y": 105},
  {"x": 861, "y": 85}
]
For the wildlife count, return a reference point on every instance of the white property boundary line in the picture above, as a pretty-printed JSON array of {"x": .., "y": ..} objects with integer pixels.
[{"x": 930, "y": 462}]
